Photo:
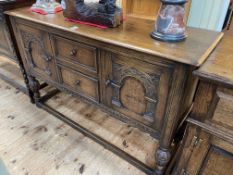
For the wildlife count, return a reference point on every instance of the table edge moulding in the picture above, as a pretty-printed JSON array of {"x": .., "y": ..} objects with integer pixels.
[{"x": 218, "y": 66}]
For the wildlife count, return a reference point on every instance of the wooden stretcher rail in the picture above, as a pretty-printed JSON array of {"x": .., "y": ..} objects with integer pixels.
[{"x": 97, "y": 139}]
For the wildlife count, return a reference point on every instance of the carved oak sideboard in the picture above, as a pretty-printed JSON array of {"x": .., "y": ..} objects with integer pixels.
[
  {"x": 208, "y": 143},
  {"x": 145, "y": 83}
]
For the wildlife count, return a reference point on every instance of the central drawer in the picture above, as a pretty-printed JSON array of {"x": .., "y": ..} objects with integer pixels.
[
  {"x": 79, "y": 83},
  {"x": 76, "y": 54}
]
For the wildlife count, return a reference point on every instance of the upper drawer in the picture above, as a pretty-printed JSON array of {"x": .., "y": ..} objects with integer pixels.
[
  {"x": 68, "y": 50},
  {"x": 222, "y": 108}
]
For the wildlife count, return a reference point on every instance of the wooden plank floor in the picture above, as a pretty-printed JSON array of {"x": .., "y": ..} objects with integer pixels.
[
  {"x": 32, "y": 142},
  {"x": 10, "y": 69}
]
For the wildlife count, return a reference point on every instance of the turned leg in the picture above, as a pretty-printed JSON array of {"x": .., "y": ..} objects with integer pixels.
[
  {"x": 163, "y": 156},
  {"x": 34, "y": 87},
  {"x": 23, "y": 71}
]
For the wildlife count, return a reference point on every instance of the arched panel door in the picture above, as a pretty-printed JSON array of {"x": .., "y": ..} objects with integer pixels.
[
  {"x": 135, "y": 88},
  {"x": 38, "y": 52}
]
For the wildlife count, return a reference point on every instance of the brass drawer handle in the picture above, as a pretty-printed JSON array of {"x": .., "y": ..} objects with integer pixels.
[
  {"x": 73, "y": 52},
  {"x": 150, "y": 100},
  {"x": 78, "y": 82},
  {"x": 111, "y": 83},
  {"x": 108, "y": 82}
]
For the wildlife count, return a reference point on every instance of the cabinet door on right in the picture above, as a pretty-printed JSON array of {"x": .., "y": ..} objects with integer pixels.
[
  {"x": 204, "y": 154},
  {"x": 136, "y": 88}
]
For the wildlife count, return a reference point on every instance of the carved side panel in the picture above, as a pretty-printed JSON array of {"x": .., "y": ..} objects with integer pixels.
[
  {"x": 38, "y": 53},
  {"x": 6, "y": 45},
  {"x": 2, "y": 27}
]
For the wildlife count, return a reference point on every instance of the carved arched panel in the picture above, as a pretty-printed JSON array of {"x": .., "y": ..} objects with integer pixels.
[
  {"x": 134, "y": 90},
  {"x": 132, "y": 95},
  {"x": 38, "y": 52}
]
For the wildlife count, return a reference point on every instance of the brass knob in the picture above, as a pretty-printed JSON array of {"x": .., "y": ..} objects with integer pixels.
[
  {"x": 78, "y": 82},
  {"x": 73, "y": 52},
  {"x": 108, "y": 82}
]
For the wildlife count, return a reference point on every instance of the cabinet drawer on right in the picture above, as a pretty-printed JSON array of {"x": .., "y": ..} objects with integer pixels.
[{"x": 221, "y": 111}]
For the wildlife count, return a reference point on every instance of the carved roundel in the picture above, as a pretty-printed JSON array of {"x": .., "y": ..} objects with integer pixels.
[{"x": 132, "y": 95}]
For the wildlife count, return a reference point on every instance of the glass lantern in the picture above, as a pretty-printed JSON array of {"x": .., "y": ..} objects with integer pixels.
[{"x": 171, "y": 23}]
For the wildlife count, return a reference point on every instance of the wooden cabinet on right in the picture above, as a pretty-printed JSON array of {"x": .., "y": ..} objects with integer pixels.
[
  {"x": 207, "y": 147},
  {"x": 205, "y": 153}
]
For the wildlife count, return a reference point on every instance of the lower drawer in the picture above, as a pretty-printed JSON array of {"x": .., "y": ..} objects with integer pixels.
[{"x": 79, "y": 83}]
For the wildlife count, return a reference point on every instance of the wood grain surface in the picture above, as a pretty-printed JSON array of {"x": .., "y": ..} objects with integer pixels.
[
  {"x": 135, "y": 34},
  {"x": 34, "y": 142},
  {"x": 219, "y": 66},
  {"x": 10, "y": 69}
]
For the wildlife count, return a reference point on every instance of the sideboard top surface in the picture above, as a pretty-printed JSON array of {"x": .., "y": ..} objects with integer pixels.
[
  {"x": 135, "y": 34},
  {"x": 219, "y": 65}
]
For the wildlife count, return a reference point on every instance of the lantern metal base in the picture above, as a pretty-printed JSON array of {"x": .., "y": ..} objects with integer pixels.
[
  {"x": 171, "y": 38},
  {"x": 174, "y": 2}
]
